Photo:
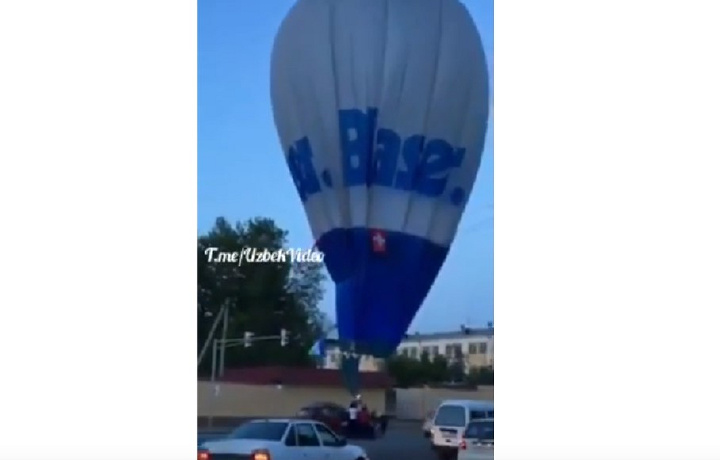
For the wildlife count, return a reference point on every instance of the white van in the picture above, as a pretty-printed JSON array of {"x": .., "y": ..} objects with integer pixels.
[{"x": 451, "y": 418}]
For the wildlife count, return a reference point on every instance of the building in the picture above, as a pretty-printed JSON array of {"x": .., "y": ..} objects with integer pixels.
[{"x": 474, "y": 346}]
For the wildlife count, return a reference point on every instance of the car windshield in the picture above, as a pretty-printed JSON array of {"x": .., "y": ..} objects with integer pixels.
[
  {"x": 484, "y": 430},
  {"x": 451, "y": 416},
  {"x": 265, "y": 431}
]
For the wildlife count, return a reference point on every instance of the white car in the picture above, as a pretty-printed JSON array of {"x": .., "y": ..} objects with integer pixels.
[
  {"x": 451, "y": 418},
  {"x": 478, "y": 442},
  {"x": 281, "y": 439}
]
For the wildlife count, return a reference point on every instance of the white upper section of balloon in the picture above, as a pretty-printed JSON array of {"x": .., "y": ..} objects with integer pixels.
[{"x": 381, "y": 107}]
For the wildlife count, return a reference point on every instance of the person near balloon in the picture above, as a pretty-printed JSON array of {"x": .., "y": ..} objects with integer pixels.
[
  {"x": 364, "y": 421},
  {"x": 353, "y": 410}
]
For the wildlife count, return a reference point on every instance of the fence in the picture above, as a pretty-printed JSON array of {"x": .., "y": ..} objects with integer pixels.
[
  {"x": 415, "y": 403},
  {"x": 236, "y": 400}
]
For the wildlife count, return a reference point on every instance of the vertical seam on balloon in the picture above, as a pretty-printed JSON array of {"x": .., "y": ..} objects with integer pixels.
[
  {"x": 435, "y": 203},
  {"x": 291, "y": 109},
  {"x": 433, "y": 87},
  {"x": 326, "y": 201},
  {"x": 483, "y": 76},
  {"x": 379, "y": 98},
  {"x": 344, "y": 194},
  {"x": 341, "y": 194},
  {"x": 380, "y": 88},
  {"x": 297, "y": 92},
  {"x": 411, "y": 201}
]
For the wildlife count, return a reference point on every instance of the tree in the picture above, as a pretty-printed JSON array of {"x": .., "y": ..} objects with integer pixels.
[
  {"x": 481, "y": 376},
  {"x": 406, "y": 371},
  {"x": 438, "y": 370},
  {"x": 305, "y": 284},
  {"x": 410, "y": 372},
  {"x": 262, "y": 297},
  {"x": 456, "y": 369}
]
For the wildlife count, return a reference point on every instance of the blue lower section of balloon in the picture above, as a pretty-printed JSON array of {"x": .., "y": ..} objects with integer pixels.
[{"x": 378, "y": 294}]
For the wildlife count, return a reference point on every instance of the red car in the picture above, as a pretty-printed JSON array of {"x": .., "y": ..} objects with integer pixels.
[{"x": 333, "y": 415}]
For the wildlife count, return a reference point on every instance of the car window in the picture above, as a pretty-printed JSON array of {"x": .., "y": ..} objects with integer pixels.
[
  {"x": 290, "y": 439},
  {"x": 484, "y": 430},
  {"x": 265, "y": 431},
  {"x": 335, "y": 409},
  {"x": 306, "y": 412},
  {"x": 479, "y": 415},
  {"x": 450, "y": 415},
  {"x": 306, "y": 436},
  {"x": 327, "y": 437},
  {"x": 329, "y": 412}
]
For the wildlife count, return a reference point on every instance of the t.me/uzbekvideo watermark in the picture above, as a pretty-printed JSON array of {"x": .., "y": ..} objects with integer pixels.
[{"x": 254, "y": 255}]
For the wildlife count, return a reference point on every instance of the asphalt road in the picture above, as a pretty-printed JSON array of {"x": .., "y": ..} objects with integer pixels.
[{"x": 402, "y": 441}]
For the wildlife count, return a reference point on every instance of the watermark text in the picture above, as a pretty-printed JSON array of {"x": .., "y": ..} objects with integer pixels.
[{"x": 254, "y": 255}]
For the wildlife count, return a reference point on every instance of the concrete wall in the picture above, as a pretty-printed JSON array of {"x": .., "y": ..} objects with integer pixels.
[
  {"x": 237, "y": 401},
  {"x": 415, "y": 403}
]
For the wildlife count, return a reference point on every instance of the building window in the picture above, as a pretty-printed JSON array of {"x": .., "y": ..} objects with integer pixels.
[
  {"x": 434, "y": 351},
  {"x": 426, "y": 350},
  {"x": 454, "y": 350},
  {"x": 458, "y": 350},
  {"x": 413, "y": 352},
  {"x": 473, "y": 348},
  {"x": 333, "y": 358},
  {"x": 483, "y": 348}
]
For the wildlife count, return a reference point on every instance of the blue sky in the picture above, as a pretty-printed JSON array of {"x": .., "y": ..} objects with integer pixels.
[{"x": 242, "y": 173}]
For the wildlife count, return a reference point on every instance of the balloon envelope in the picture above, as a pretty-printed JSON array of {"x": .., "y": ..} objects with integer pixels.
[{"x": 381, "y": 107}]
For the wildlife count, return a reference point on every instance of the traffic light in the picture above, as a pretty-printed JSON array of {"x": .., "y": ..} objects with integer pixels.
[
  {"x": 248, "y": 338},
  {"x": 283, "y": 337}
]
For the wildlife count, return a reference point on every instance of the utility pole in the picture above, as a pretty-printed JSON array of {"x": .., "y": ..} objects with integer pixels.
[
  {"x": 223, "y": 340},
  {"x": 209, "y": 339}
]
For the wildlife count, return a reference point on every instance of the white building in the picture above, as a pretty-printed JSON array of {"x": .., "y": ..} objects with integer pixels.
[{"x": 475, "y": 346}]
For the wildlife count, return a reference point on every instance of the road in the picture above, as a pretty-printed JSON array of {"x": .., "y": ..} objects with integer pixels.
[{"x": 402, "y": 441}]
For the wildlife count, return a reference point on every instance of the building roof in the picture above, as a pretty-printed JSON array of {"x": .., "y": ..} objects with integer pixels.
[
  {"x": 301, "y": 376},
  {"x": 450, "y": 335}
]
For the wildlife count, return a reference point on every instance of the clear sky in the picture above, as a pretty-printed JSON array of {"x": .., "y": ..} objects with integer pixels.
[{"x": 242, "y": 172}]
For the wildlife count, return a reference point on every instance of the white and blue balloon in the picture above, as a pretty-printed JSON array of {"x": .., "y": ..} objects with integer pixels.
[{"x": 381, "y": 107}]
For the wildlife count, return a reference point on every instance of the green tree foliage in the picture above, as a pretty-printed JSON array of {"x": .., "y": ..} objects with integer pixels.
[
  {"x": 410, "y": 372},
  {"x": 262, "y": 297},
  {"x": 456, "y": 369},
  {"x": 481, "y": 376}
]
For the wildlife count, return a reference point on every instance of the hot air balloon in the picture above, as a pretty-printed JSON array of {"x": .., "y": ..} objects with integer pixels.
[{"x": 381, "y": 107}]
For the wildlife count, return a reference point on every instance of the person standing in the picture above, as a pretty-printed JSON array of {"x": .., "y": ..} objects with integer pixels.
[{"x": 352, "y": 416}]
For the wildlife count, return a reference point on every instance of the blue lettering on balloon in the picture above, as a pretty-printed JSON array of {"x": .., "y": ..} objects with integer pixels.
[
  {"x": 372, "y": 155},
  {"x": 387, "y": 147},
  {"x": 303, "y": 172},
  {"x": 412, "y": 150},
  {"x": 439, "y": 157},
  {"x": 411, "y": 164},
  {"x": 357, "y": 132}
]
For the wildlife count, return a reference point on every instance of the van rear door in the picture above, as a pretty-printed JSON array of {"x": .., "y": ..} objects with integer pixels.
[{"x": 450, "y": 421}]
